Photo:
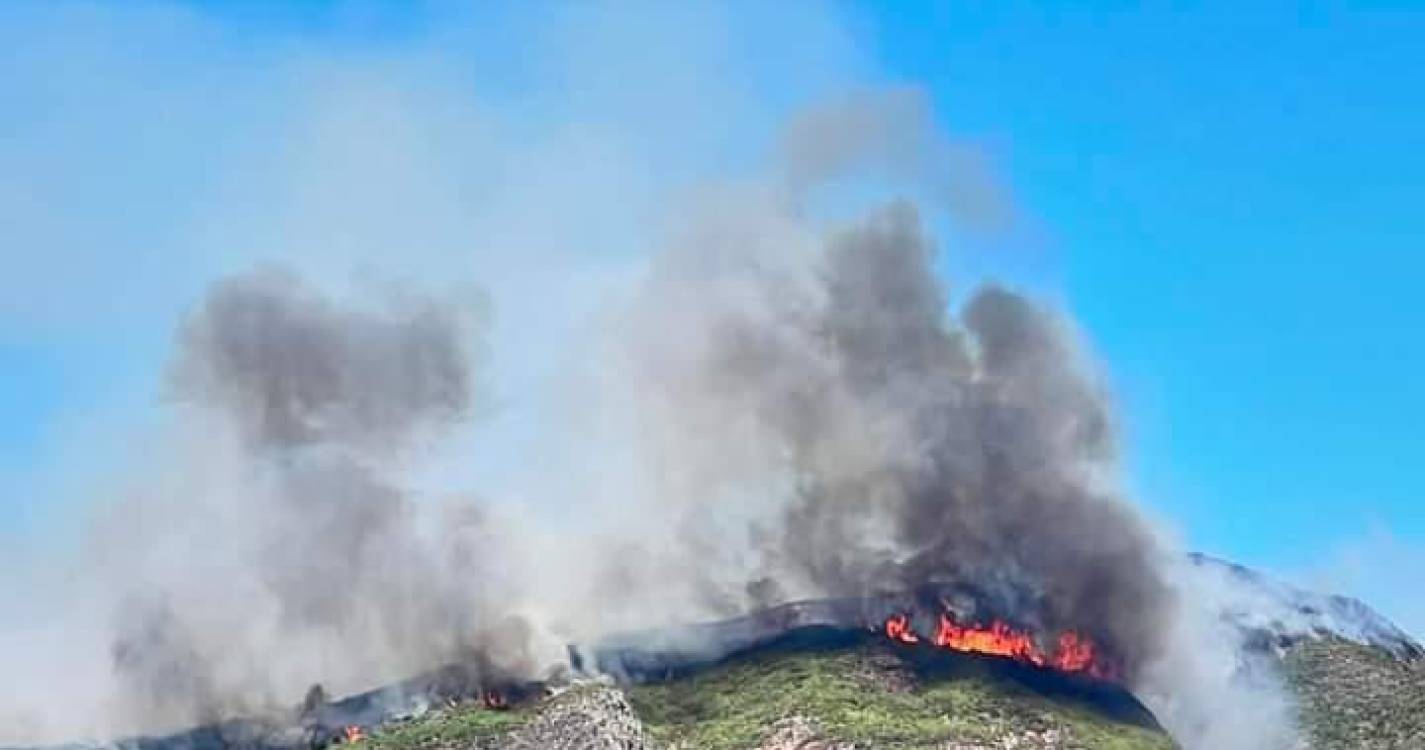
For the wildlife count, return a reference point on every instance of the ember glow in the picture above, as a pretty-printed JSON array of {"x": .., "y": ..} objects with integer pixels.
[
  {"x": 353, "y": 734},
  {"x": 1072, "y": 652},
  {"x": 898, "y": 629},
  {"x": 493, "y": 699}
]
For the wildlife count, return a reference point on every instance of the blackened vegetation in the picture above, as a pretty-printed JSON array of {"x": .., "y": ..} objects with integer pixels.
[{"x": 674, "y": 652}]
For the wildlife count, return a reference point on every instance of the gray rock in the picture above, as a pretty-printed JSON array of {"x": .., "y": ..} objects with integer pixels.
[{"x": 588, "y": 717}]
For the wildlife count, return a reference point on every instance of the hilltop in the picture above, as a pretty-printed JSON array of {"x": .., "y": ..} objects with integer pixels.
[{"x": 863, "y": 695}]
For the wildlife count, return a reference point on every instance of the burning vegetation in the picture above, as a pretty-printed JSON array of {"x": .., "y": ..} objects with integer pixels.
[
  {"x": 1071, "y": 652},
  {"x": 494, "y": 699}
]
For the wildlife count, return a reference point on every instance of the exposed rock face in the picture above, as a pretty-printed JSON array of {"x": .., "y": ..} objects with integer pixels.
[
  {"x": 1049, "y": 739},
  {"x": 588, "y": 717},
  {"x": 800, "y": 733}
]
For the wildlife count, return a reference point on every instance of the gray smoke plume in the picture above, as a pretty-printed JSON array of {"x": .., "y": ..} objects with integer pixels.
[
  {"x": 818, "y": 401},
  {"x": 917, "y": 448},
  {"x": 320, "y": 538},
  {"x": 292, "y": 369},
  {"x": 890, "y": 134}
]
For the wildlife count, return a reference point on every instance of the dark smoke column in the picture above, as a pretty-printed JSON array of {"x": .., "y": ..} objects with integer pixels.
[{"x": 923, "y": 448}]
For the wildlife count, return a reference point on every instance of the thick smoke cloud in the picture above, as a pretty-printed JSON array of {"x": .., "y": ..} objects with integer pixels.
[
  {"x": 293, "y": 370},
  {"x": 815, "y": 399},
  {"x": 917, "y": 448},
  {"x": 321, "y": 539}
]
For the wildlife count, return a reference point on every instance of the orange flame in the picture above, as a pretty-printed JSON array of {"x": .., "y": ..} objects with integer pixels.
[
  {"x": 898, "y": 629},
  {"x": 998, "y": 639},
  {"x": 1074, "y": 653},
  {"x": 353, "y": 734}
]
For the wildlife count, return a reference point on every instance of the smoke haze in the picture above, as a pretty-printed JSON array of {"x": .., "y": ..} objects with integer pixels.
[{"x": 736, "y": 400}]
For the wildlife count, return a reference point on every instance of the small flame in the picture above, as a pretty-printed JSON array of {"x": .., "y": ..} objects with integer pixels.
[
  {"x": 353, "y": 734},
  {"x": 1074, "y": 653},
  {"x": 898, "y": 629},
  {"x": 493, "y": 699}
]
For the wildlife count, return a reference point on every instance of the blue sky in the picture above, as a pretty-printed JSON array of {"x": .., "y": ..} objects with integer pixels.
[
  {"x": 1235, "y": 201},
  {"x": 1227, "y": 200}
]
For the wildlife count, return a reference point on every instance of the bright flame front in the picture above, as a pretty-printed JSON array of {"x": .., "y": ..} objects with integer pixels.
[{"x": 1073, "y": 653}]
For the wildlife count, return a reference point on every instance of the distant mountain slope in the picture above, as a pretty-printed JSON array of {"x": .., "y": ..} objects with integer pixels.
[
  {"x": 1276, "y": 615},
  {"x": 1358, "y": 680}
]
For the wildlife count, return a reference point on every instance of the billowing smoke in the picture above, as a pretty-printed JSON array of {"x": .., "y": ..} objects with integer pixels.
[
  {"x": 317, "y": 540},
  {"x": 293, "y": 370},
  {"x": 913, "y": 447}
]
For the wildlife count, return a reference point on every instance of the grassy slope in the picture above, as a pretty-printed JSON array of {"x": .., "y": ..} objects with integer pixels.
[
  {"x": 734, "y": 705},
  {"x": 465, "y": 726},
  {"x": 1357, "y": 698},
  {"x": 852, "y": 694}
]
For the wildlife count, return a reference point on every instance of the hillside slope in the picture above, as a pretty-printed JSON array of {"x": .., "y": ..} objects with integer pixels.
[
  {"x": 877, "y": 695},
  {"x": 810, "y": 677},
  {"x": 863, "y": 696},
  {"x": 1355, "y": 697}
]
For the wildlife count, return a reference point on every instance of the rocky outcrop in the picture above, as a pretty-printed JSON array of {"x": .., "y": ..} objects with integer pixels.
[
  {"x": 587, "y": 717},
  {"x": 800, "y": 733}
]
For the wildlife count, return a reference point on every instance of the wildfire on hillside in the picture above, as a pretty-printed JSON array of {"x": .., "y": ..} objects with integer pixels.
[
  {"x": 1071, "y": 652},
  {"x": 494, "y": 699}
]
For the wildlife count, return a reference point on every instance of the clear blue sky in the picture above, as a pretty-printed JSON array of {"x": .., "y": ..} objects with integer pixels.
[{"x": 1232, "y": 202}]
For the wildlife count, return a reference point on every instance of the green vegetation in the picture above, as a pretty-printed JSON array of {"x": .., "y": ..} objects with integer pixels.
[
  {"x": 1355, "y": 697},
  {"x": 870, "y": 695},
  {"x": 460, "y": 728},
  {"x": 857, "y": 696}
]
